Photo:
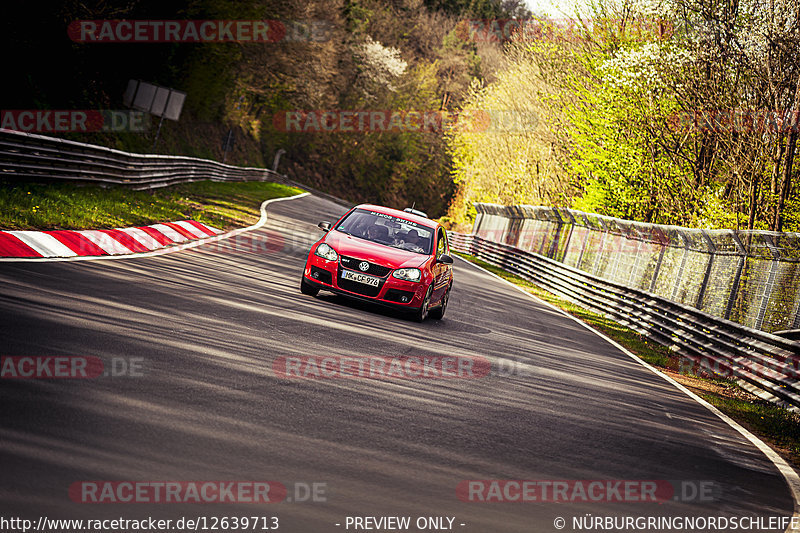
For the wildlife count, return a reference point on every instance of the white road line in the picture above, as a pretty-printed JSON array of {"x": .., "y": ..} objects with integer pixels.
[
  {"x": 789, "y": 474},
  {"x": 162, "y": 251},
  {"x": 43, "y": 243}
]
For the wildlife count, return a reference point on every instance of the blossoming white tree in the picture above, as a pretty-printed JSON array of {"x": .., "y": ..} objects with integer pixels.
[{"x": 379, "y": 65}]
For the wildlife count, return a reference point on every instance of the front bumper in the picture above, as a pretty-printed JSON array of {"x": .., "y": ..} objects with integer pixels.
[{"x": 393, "y": 292}]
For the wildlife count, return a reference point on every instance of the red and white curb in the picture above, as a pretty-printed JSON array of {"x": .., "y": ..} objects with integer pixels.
[
  {"x": 67, "y": 243},
  {"x": 145, "y": 241}
]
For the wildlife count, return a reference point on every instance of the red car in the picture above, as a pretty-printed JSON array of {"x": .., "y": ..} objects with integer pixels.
[{"x": 391, "y": 257}]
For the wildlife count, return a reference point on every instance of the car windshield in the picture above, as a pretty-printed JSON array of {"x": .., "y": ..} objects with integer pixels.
[{"x": 388, "y": 230}]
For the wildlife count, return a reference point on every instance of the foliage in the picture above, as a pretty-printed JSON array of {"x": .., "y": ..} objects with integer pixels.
[
  {"x": 368, "y": 55},
  {"x": 678, "y": 111},
  {"x": 379, "y": 65}
]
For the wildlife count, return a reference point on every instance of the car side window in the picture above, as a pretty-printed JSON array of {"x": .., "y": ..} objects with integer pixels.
[{"x": 441, "y": 246}]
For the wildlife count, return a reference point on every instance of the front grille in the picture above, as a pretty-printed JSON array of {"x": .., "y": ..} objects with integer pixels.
[{"x": 373, "y": 270}]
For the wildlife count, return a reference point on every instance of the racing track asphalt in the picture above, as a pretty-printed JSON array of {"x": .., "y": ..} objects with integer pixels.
[{"x": 208, "y": 324}]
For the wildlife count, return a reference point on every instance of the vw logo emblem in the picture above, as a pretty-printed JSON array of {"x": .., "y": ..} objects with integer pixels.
[{"x": 363, "y": 266}]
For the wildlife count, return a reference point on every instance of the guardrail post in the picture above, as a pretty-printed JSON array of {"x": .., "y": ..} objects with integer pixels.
[
  {"x": 614, "y": 258},
  {"x": 476, "y": 226},
  {"x": 554, "y": 244},
  {"x": 769, "y": 286},
  {"x": 529, "y": 227},
  {"x": 681, "y": 269},
  {"x": 512, "y": 235},
  {"x": 583, "y": 246},
  {"x": 545, "y": 223},
  {"x": 738, "y": 276},
  {"x": 704, "y": 285},
  {"x": 569, "y": 236},
  {"x": 658, "y": 267},
  {"x": 596, "y": 266},
  {"x": 277, "y": 159},
  {"x": 635, "y": 261}
]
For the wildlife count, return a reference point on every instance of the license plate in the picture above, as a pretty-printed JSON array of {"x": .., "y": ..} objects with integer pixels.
[{"x": 361, "y": 278}]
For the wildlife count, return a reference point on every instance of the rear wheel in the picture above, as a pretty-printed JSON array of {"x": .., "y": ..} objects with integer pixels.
[
  {"x": 438, "y": 313},
  {"x": 307, "y": 288},
  {"x": 422, "y": 312}
]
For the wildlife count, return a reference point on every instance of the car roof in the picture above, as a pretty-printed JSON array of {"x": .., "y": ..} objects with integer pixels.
[{"x": 422, "y": 221}]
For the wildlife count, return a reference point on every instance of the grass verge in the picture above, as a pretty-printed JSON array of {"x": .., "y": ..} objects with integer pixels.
[
  {"x": 773, "y": 424},
  {"x": 224, "y": 205}
]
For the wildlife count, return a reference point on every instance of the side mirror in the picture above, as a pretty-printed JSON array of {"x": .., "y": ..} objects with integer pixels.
[
  {"x": 324, "y": 226},
  {"x": 445, "y": 259}
]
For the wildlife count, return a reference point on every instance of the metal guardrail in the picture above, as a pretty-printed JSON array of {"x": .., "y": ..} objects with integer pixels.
[
  {"x": 29, "y": 156},
  {"x": 769, "y": 362},
  {"x": 751, "y": 277}
]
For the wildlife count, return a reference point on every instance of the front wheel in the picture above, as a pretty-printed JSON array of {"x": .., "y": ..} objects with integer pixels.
[
  {"x": 422, "y": 312},
  {"x": 308, "y": 289},
  {"x": 438, "y": 313}
]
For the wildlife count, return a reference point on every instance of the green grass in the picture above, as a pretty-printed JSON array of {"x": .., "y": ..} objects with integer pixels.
[
  {"x": 772, "y": 423},
  {"x": 779, "y": 426},
  {"x": 69, "y": 206}
]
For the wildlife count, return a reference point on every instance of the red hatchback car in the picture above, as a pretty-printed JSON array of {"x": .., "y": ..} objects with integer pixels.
[{"x": 391, "y": 257}]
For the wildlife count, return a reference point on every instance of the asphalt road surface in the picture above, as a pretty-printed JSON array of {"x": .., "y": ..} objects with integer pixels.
[{"x": 202, "y": 328}]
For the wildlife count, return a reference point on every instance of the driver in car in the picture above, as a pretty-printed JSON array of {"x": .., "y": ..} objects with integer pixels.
[
  {"x": 412, "y": 240},
  {"x": 378, "y": 233}
]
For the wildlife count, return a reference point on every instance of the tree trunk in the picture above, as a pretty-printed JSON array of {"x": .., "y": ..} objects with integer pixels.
[
  {"x": 783, "y": 193},
  {"x": 751, "y": 218}
]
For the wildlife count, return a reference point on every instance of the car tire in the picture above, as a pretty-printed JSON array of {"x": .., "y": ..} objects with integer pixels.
[
  {"x": 438, "y": 313},
  {"x": 422, "y": 312},
  {"x": 307, "y": 288}
]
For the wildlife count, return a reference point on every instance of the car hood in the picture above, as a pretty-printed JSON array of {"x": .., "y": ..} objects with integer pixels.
[{"x": 374, "y": 253}]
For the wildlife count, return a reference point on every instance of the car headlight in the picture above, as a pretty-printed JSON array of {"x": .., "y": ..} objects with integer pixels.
[
  {"x": 408, "y": 274},
  {"x": 326, "y": 252}
]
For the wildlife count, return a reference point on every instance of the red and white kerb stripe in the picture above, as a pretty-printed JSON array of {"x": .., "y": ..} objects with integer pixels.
[{"x": 70, "y": 243}]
